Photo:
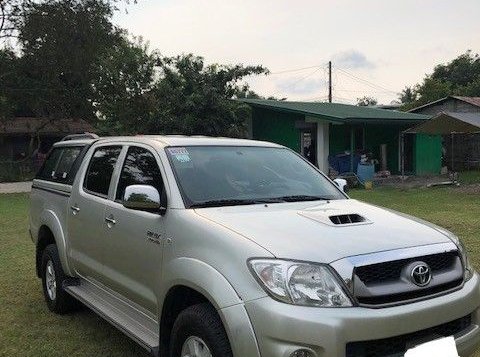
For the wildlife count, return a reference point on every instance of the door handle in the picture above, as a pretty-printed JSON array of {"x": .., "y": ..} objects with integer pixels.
[
  {"x": 110, "y": 220},
  {"x": 75, "y": 209}
]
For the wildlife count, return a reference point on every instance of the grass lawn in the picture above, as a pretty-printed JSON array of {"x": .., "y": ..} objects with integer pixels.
[{"x": 27, "y": 328}]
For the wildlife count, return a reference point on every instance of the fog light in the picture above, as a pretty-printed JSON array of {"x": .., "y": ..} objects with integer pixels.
[{"x": 302, "y": 353}]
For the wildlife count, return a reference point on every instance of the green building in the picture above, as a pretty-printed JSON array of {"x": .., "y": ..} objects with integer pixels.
[{"x": 318, "y": 130}]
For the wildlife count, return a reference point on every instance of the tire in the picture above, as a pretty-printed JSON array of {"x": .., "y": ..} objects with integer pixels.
[
  {"x": 202, "y": 322},
  {"x": 57, "y": 299}
]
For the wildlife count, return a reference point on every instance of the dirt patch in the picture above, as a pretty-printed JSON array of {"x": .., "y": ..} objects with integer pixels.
[
  {"x": 425, "y": 181},
  {"x": 470, "y": 189}
]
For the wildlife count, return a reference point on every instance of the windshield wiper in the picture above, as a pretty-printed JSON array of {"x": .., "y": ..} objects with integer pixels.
[
  {"x": 234, "y": 202},
  {"x": 296, "y": 198}
]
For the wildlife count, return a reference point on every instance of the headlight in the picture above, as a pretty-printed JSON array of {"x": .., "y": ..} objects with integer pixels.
[
  {"x": 466, "y": 262},
  {"x": 299, "y": 283}
]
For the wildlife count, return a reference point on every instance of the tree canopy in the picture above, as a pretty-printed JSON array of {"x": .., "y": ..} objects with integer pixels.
[
  {"x": 461, "y": 76},
  {"x": 69, "y": 60},
  {"x": 366, "y": 101}
]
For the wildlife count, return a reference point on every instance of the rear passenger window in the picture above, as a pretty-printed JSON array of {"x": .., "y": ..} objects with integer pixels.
[
  {"x": 59, "y": 164},
  {"x": 139, "y": 168},
  {"x": 100, "y": 170}
]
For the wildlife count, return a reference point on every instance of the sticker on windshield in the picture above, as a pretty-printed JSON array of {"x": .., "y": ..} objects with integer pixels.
[{"x": 180, "y": 154}]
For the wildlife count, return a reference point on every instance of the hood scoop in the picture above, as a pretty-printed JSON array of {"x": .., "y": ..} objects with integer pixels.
[
  {"x": 347, "y": 219},
  {"x": 336, "y": 218}
]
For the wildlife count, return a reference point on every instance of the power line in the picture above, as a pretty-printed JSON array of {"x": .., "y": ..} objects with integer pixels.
[
  {"x": 370, "y": 84},
  {"x": 296, "y": 69},
  {"x": 361, "y": 91},
  {"x": 299, "y": 80}
]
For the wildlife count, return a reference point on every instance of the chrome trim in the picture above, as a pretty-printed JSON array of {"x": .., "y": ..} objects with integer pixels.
[{"x": 345, "y": 266}]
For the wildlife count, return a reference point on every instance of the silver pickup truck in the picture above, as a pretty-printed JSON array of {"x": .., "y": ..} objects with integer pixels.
[{"x": 215, "y": 247}]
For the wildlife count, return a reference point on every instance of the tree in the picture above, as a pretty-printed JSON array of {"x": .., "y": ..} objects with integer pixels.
[
  {"x": 14, "y": 12},
  {"x": 123, "y": 87},
  {"x": 91, "y": 69},
  {"x": 60, "y": 62},
  {"x": 193, "y": 98},
  {"x": 366, "y": 101},
  {"x": 8, "y": 82},
  {"x": 461, "y": 76},
  {"x": 408, "y": 95}
]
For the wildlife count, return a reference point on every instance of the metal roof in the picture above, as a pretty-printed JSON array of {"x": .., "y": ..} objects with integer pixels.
[
  {"x": 28, "y": 125},
  {"x": 447, "y": 123},
  {"x": 336, "y": 112},
  {"x": 470, "y": 100}
]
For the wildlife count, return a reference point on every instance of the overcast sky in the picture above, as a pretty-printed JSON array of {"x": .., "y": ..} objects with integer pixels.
[{"x": 377, "y": 46}]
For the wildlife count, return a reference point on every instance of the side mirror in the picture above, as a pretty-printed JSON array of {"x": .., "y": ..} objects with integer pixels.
[
  {"x": 341, "y": 183},
  {"x": 143, "y": 198}
]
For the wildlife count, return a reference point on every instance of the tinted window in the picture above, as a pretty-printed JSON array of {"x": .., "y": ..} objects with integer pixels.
[
  {"x": 47, "y": 172},
  {"x": 58, "y": 166},
  {"x": 100, "y": 169},
  {"x": 140, "y": 168},
  {"x": 69, "y": 155}
]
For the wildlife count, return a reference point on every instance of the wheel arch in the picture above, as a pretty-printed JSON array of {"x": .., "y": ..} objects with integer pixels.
[
  {"x": 189, "y": 282},
  {"x": 51, "y": 232}
]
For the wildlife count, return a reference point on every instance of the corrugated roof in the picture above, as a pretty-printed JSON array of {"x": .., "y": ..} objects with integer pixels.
[
  {"x": 337, "y": 112},
  {"x": 449, "y": 122},
  {"x": 471, "y": 100},
  {"x": 26, "y": 125}
]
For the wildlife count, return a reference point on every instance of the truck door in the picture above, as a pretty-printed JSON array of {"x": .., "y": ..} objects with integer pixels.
[
  {"x": 87, "y": 228},
  {"x": 133, "y": 258}
]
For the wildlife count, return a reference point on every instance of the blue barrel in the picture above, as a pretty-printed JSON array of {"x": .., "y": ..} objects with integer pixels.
[{"x": 365, "y": 171}]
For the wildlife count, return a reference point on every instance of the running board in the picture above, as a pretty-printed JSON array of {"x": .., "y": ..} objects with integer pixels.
[{"x": 136, "y": 325}]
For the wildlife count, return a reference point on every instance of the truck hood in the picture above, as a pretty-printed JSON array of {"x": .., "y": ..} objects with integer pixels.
[{"x": 324, "y": 231}]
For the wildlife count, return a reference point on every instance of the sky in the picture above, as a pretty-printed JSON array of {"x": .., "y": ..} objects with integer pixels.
[{"x": 376, "y": 47}]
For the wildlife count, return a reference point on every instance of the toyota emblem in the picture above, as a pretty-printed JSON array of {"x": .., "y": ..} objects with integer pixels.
[{"x": 421, "y": 274}]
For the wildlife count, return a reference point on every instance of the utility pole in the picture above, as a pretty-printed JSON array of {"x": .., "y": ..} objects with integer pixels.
[{"x": 329, "y": 81}]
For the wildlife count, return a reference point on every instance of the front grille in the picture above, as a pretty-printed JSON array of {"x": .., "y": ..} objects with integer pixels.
[
  {"x": 398, "y": 345},
  {"x": 381, "y": 272},
  {"x": 409, "y": 295}
]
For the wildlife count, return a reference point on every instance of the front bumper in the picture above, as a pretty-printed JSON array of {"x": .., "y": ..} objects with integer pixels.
[{"x": 281, "y": 328}]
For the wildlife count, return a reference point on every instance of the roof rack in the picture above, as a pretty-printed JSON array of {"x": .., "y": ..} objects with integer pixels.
[{"x": 80, "y": 136}]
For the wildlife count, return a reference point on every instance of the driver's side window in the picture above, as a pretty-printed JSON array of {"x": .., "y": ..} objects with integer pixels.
[{"x": 139, "y": 168}]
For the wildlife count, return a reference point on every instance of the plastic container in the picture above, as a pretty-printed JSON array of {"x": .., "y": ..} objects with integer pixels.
[{"x": 365, "y": 172}]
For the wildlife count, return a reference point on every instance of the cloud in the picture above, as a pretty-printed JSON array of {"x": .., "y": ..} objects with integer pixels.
[
  {"x": 353, "y": 59},
  {"x": 300, "y": 85}
]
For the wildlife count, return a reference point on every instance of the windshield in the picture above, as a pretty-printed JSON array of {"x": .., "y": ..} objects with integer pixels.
[{"x": 210, "y": 176}]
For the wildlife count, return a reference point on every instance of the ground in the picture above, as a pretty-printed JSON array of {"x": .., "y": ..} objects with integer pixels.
[{"x": 27, "y": 328}]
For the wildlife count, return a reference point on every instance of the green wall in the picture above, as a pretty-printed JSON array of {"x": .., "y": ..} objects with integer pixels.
[
  {"x": 428, "y": 154},
  {"x": 279, "y": 127},
  {"x": 276, "y": 127}
]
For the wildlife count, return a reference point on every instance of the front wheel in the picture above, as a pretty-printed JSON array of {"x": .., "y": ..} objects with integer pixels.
[{"x": 199, "y": 332}]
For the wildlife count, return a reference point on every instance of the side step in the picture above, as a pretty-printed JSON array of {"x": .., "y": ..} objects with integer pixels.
[{"x": 133, "y": 323}]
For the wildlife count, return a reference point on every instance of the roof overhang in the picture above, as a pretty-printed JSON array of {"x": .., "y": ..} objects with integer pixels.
[{"x": 448, "y": 123}]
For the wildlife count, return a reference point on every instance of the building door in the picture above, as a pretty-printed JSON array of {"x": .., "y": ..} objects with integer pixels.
[{"x": 309, "y": 145}]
